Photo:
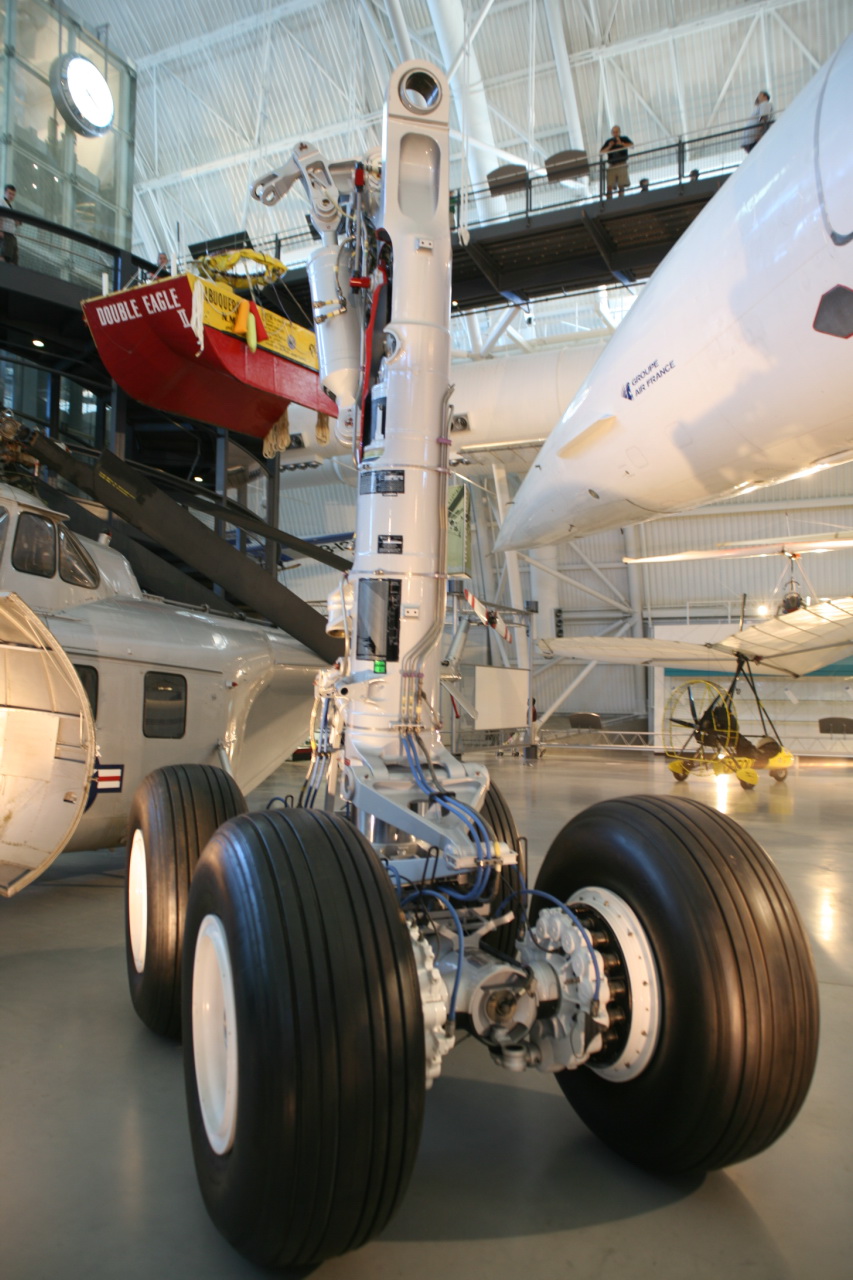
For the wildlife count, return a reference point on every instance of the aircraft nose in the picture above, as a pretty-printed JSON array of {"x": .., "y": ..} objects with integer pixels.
[{"x": 530, "y": 523}]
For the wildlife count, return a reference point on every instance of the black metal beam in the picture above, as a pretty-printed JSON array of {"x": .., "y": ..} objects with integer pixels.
[
  {"x": 131, "y": 496},
  {"x": 154, "y": 574},
  {"x": 235, "y": 515},
  {"x": 488, "y": 269},
  {"x": 604, "y": 245}
]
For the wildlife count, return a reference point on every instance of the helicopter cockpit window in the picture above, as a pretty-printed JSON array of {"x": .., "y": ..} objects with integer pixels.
[
  {"x": 4, "y": 528},
  {"x": 75, "y": 565},
  {"x": 34, "y": 549}
]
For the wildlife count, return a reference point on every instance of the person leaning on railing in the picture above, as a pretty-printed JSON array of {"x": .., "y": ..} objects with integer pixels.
[
  {"x": 759, "y": 122},
  {"x": 616, "y": 150},
  {"x": 9, "y": 226}
]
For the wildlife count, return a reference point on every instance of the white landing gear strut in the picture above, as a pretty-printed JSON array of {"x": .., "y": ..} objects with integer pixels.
[{"x": 332, "y": 951}]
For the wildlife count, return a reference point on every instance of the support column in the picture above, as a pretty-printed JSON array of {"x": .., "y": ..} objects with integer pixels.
[
  {"x": 565, "y": 79},
  {"x": 117, "y": 434},
  {"x": 273, "y": 514},
  {"x": 401, "y": 31},
  {"x": 221, "y": 485},
  {"x": 635, "y": 596},
  {"x": 513, "y": 573},
  {"x": 470, "y": 96}
]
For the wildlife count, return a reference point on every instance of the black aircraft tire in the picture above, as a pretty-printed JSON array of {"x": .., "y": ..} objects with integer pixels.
[
  {"x": 327, "y": 1032},
  {"x": 497, "y": 815},
  {"x": 739, "y": 1004},
  {"x": 174, "y": 813}
]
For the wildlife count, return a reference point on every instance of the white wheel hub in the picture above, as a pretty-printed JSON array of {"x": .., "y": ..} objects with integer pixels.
[
  {"x": 137, "y": 900},
  {"x": 215, "y": 1034},
  {"x": 643, "y": 982}
]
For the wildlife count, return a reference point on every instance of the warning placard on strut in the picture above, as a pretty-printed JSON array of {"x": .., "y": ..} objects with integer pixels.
[{"x": 387, "y": 483}]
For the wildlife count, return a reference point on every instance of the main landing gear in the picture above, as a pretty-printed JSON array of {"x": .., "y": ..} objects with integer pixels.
[
  {"x": 659, "y": 969},
  {"x": 332, "y": 955}
]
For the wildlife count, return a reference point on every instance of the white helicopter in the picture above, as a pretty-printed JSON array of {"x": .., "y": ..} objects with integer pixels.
[
  {"x": 101, "y": 684},
  {"x": 331, "y": 952}
]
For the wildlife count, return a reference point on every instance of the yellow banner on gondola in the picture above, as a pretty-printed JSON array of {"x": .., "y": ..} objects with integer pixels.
[{"x": 283, "y": 337}]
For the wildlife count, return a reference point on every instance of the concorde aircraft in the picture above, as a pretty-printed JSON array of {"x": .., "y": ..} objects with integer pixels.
[
  {"x": 100, "y": 684},
  {"x": 734, "y": 368}
]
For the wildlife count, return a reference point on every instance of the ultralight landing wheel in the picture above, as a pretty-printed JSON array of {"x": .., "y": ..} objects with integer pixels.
[
  {"x": 304, "y": 1054},
  {"x": 737, "y": 1025},
  {"x": 174, "y": 813}
]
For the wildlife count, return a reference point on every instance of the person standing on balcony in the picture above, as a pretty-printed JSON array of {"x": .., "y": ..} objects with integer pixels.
[
  {"x": 9, "y": 226},
  {"x": 759, "y": 122},
  {"x": 616, "y": 150}
]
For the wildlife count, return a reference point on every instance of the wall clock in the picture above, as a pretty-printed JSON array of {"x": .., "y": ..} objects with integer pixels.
[{"x": 82, "y": 95}]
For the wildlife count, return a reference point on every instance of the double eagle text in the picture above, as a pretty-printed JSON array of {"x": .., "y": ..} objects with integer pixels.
[{"x": 118, "y": 312}]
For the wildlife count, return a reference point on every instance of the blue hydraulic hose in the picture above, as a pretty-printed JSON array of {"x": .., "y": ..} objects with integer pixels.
[
  {"x": 462, "y": 811},
  {"x": 472, "y": 818}
]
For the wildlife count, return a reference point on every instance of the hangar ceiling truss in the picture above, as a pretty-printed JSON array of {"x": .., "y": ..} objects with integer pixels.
[{"x": 227, "y": 87}]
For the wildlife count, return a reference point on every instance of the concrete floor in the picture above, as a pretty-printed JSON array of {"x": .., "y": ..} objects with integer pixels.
[{"x": 96, "y": 1174}]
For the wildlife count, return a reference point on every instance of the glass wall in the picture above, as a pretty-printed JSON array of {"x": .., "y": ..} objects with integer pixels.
[
  {"x": 44, "y": 398},
  {"x": 79, "y": 182}
]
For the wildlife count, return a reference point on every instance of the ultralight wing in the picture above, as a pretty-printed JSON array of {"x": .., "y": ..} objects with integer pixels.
[
  {"x": 793, "y": 644},
  {"x": 799, "y": 544},
  {"x": 634, "y": 651}
]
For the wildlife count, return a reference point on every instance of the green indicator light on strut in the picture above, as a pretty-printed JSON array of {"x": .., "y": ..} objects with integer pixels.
[{"x": 379, "y": 668}]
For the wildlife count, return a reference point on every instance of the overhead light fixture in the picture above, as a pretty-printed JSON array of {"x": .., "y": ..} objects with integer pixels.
[
  {"x": 763, "y": 609},
  {"x": 199, "y": 479},
  {"x": 37, "y": 342}
]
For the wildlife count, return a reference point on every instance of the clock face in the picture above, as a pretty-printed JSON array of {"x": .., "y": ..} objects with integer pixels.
[{"x": 82, "y": 95}]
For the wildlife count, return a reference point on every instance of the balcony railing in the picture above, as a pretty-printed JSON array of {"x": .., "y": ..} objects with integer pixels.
[{"x": 72, "y": 256}]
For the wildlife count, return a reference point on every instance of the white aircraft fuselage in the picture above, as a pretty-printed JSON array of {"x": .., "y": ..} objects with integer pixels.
[
  {"x": 734, "y": 368},
  {"x": 100, "y": 684},
  {"x": 498, "y": 402}
]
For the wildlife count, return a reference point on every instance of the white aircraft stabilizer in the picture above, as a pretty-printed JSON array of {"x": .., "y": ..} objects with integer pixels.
[{"x": 733, "y": 369}]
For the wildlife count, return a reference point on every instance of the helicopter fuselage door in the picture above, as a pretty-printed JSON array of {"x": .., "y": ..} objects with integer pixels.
[{"x": 47, "y": 746}]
